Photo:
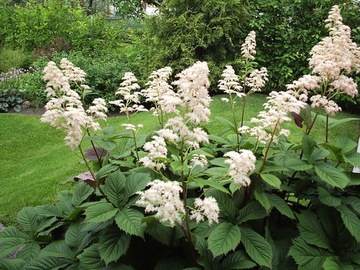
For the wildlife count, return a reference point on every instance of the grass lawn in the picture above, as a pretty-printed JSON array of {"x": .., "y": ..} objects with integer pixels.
[{"x": 35, "y": 163}]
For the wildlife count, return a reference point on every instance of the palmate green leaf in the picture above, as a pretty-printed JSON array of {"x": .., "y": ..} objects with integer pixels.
[
  {"x": 58, "y": 249},
  {"x": 333, "y": 263},
  {"x": 29, "y": 251},
  {"x": 27, "y": 218},
  {"x": 326, "y": 198},
  {"x": 306, "y": 256},
  {"x": 226, "y": 122},
  {"x": 114, "y": 188},
  {"x": 100, "y": 212},
  {"x": 271, "y": 179},
  {"x": 77, "y": 237},
  {"x": 47, "y": 263},
  {"x": 308, "y": 145},
  {"x": 353, "y": 159},
  {"x": 237, "y": 260},
  {"x": 164, "y": 234},
  {"x": 345, "y": 144},
  {"x": 256, "y": 247},
  {"x": 251, "y": 211},
  {"x": 311, "y": 230},
  {"x": 130, "y": 221},
  {"x": 81, "y": 193},
  {"x": 352, "y": 201},
  {"x": 318, "y": 154},
  {"x": 335, "y": 122},
  {"x": 350, "y": 220},
  {"x": 90, "y": 259},
  {"x": 297, "y": 164},
  {"x": 136, "y": 182},
  {"x": 263, "y": 199},
  {"x": 225, "y": 237},
  {"x": 113, "y": 244},
  {"x": 12, "y": 264},
  {"x": 280, "y": 205},
  {"x": 331, "y": 175}
]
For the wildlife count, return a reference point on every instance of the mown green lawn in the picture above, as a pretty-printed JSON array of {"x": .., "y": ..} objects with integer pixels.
[{"x": 35, "y": 163}]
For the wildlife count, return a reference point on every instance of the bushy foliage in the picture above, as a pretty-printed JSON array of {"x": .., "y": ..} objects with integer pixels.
[
  {"x": 187, "y": 31},
  {"x": 287, "y": 30},
  {"x": 186, "y": 199}
]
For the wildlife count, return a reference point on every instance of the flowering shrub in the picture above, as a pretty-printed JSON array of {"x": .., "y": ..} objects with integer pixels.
[{"x": 182, "y": 198}]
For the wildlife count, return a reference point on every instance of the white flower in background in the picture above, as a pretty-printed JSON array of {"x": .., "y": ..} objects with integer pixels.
[
  {"x": 98, "y": 109},
  {"x": 230, "y": 83},
  {"x": 248, "y": 48},
  {"x": 240, "y": 165},
  {"x": 278, "y": 107},
  {"x": 157, "y": 87},
  {"x": 331, "y": 59},
  {"x": 64, "y": 110},
  {"x": 156, "y": 149},
  {"x": 205, "y": 209},
  {"x": 164, "y": 199},
  {"x": 130, "y": 92},
  {"x": 257, "y": 79}
]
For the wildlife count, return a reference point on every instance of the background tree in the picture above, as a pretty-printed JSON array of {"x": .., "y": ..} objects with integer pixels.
[{"x": 191, "y": 30}]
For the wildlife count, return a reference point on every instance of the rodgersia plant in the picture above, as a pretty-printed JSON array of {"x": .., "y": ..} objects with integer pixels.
[{"x": 181, "y": 198}]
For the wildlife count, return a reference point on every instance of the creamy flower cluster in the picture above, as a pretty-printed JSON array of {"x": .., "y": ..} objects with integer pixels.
[
  {"x": 190, "y": 106},
  {"x": 156, "y": 151},
  {"x": 205, "y": 209},
  {"x": 130, "y": 92},
  {"x": 230, "y": 84},
  {"x": 268, "y": 122},
  {"x": 248, "y": 48},
  {"x": 164, "y": 199},
  {"x": 240, "y": 165},
  {"x": 157, "y": 86},
  {"x": 332, "y": 58},
  {"x": 65, "y": 110}
]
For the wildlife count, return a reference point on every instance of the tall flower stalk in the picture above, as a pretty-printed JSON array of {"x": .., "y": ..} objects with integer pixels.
[
  {"x": 65, "y": 110},
  {"x": 332, "y": 60}
]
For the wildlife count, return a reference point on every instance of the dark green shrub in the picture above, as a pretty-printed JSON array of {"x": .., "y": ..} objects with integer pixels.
[{"x": 187, "y": 31}]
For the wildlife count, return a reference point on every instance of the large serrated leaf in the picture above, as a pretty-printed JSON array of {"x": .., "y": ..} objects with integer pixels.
[
  {"x": 326, "y": 198},
  {"x": 77, "y": 237},
  {"x": 58, "y": 249},
  {"x": 297, "y": 164},
  {"x": 47, "y": 263},
  {"x": 331, "y": 175},
  {"x": 308, "y": 145},
  {"x": 281, "y": 205},
  {"x": 354, "y": 202},
  {"x": 311, "y": 230},
  {"x": 256, "y": 247},
  {"x": 353, "y": 159},
  {"x": 350, "y": 220},
  {"x": 113, "y": 244},
  {"x": 100, "y": 212},
  {"x": 237, "y": 260},
  {"x": 90, "y": 259},
  {"x": 27, "y": 218},
  {"x": 263, "y": 200},
  {"x": 136, "y": 182},
  {"x": 223, "y": 238},
  {"x": 130, "y": 221},
  {"x": 12, "y": 264},
  {"x": 271, "y": 179},
  {"x": 345, "y": 144},
  {"x": 164, "y": 234},
  {"x": 114, "y": 188},
  {"x": 81, "y": 193},
  {"x": 306, "y": 256},
  {"x": 29, "y": 251},
  {"x": 251, "y": 211}
]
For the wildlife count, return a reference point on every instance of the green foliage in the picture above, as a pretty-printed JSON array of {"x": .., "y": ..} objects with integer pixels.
[
  {"x": 287, "y": 30},
  {"x": 10, "y": 99},
  {"x": 13, "y": 59},
  {"x": 188, "y": 31}
]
